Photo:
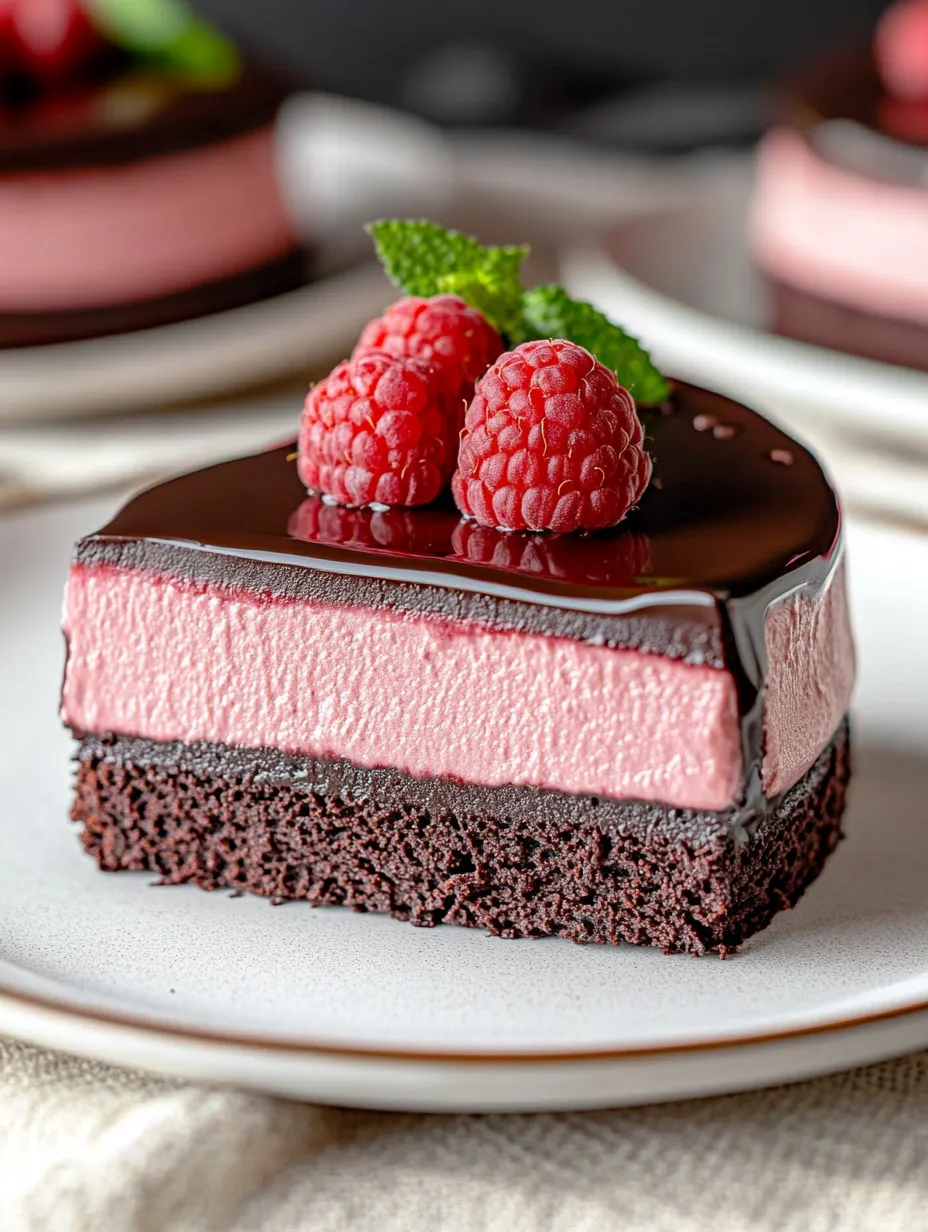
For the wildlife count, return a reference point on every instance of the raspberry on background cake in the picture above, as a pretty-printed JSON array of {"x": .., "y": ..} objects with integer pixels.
[
  {"x": 138, "y": 178},
  {"x": 840, "y": 213},
  {"x": 635, "y": 731}
]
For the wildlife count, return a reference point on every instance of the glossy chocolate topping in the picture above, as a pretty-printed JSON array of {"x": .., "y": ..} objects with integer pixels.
[
  {"x": 737, "y": 515},
  {"x": 734, "y": 505},
  {"x": 130, "y": 115},
  {"x": 847, "y": 115},
  {"x": 842, "y": 85}
]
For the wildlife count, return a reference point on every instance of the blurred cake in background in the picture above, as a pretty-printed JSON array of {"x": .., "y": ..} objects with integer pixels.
[
  {"x": 840, "y": 215},
  {"x": 138, "y": 177}
]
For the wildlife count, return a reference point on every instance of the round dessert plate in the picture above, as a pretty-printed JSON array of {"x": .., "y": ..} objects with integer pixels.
[
  {"x": 363, "y": 1010},
  {"x": 194, "y": 359},
  {"x": 680, "y": 276}
]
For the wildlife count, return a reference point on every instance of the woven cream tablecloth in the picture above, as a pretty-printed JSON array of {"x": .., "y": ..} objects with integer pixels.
[{"x": 85, "y": 1148}]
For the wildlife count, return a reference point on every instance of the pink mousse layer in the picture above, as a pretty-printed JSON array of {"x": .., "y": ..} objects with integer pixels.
[
  {"x": 837, "y": 234},
  {"x": 169, "y": 660},
  {"x": 81, "y": 239}
]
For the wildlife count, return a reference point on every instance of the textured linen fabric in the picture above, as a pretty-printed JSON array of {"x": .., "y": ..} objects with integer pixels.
[{"x": 86, "y": 1147}]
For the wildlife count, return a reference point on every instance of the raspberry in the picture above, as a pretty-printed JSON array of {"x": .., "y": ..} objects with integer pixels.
[
  {"x": 453, "y": 337},
  {"x": 552, "y": 442},
  {"x": 50, "y": 40},
  {"x": 379, "y": 430},
  {"x": 901, "y": 48}
]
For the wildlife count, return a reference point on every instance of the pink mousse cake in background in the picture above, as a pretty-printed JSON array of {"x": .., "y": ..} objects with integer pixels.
[
  {"x": 840, "y": 214},
  {"x": 134, "y": 191}
]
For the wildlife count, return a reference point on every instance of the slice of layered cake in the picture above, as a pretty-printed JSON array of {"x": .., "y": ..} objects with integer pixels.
[{"x": 517, "y": 704}]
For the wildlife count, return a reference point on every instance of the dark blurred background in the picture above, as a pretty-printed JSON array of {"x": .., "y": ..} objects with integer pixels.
[{"x": 659, "y": 74}]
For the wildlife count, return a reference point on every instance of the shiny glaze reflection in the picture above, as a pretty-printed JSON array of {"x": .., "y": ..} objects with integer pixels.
[{"x": 720, "y": 516}]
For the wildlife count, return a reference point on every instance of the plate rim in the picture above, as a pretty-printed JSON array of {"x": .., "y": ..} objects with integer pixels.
[
  {"x": 180, "y": 1033},
  {"x": 278, "y": 343}
]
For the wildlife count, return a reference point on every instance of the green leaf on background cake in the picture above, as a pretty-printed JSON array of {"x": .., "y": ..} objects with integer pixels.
[
  {"x": 168, "y": 31},
  {"x": 549, "y": 312},
  {"x": 425, "y": 259}
]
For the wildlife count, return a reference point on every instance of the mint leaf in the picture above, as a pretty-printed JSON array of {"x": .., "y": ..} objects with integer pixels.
[
  {"x": 493, "y": 287},
  {"x": 168, "y": 31},
  {"x": 144, "y": 26},
  {"x": 549, "y": 312},
  {"x": 425, "y": 259},
  {"x": 204, "y": 55},
  {"x": 416, "y": 254}
]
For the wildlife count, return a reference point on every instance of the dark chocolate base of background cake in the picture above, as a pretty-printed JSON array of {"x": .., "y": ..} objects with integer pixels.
[
  {"x": 28, "y": 329},
  {"x": 809, "y": 318},
  {"x": 515, "y": 861}
]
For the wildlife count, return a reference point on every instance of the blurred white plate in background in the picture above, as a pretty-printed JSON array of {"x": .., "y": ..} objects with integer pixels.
[
  {"x": 360, "y": 1009},
  {"x": 202, "y": 358},
  {"x": 679, "y": 275}
]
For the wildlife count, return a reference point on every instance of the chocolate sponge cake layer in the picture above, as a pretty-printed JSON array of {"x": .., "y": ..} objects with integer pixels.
[
  {"x": 841, "y": 327},
  {"x": 515, "y": 861}
]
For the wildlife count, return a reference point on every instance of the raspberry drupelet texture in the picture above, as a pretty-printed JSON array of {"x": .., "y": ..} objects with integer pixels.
[
  {"x": 379, "y": 430},
  {"x": 552, "y": 441},
  {"x": 445, "y": 331}
]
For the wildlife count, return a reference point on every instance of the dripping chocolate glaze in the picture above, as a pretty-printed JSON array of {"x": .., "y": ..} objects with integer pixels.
[{"x": 738, "y": 515}]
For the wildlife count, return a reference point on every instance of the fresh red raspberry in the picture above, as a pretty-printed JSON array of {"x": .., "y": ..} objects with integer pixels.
[
  {"x": 50, "y": 40},
  {"x": 552, "y": 442},
  {"x": 453, "y": 337},
  {"x": 379, "y": 430},
  {"x": 901, "y": 49}
]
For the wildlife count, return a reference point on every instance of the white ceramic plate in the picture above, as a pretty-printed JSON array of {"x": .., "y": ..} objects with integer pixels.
[
  {"x": 363, "y": 1010},
  {"x": 193, "y": 359},
  {"x": 680, "y": 276}
]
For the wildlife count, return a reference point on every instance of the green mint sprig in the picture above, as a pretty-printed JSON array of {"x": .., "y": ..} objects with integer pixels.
[
  {"x": 425, "y": 259},
  {"x": 551, "y": 313},
  {"x": 168, "y": 32}
]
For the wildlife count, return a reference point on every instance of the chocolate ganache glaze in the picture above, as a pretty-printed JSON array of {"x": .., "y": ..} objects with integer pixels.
[
  {"x": 844, "y": 112},
  {"x": 120, "y": 119},
  {"x": 737, "y": 516}
]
